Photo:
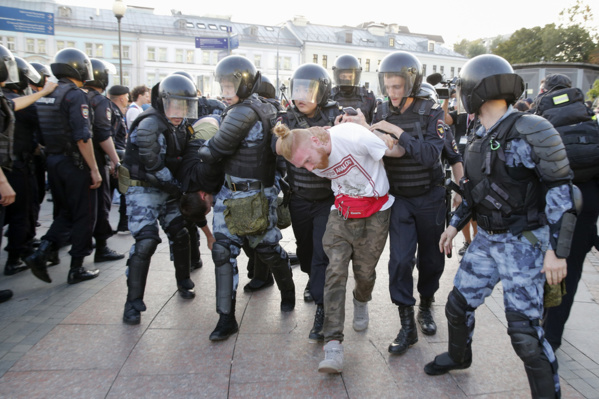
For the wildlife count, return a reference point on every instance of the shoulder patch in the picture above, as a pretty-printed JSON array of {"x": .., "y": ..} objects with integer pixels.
[
  {"x": 441, "y": 128},
  {"x": 85, "y": 111},
  {"x": 108, "y": 114}
]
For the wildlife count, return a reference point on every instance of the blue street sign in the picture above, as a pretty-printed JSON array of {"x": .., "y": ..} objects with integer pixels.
[
  {"x": 217, "y": 43},
  {"x": 19, "y": 20}
]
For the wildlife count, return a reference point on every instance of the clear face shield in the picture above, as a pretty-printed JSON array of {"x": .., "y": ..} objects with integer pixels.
[
  {"x": 11, "y": 68},
  {"x": 31, "y": 74},
  {"x": 180, "y": 107},
  {"x": 110, "y": 68},
  {"x": 305, "y": 90},
  {"x": 347, "y": 77},
  {"x": 228, "y": 86},
  {"x": 459, "y": 101}
]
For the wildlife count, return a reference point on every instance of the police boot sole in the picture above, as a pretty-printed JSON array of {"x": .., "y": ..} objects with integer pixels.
[
  {"x": 132, "y": 320},
  {"x": 218, "y": 336},
  {"x": 187, "y": 294},
  {"x": 396, "y": 349},
  {"x": 12, "y": 270}
]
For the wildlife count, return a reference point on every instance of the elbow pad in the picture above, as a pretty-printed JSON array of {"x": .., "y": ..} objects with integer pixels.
[
  {"x": 149, "y": 147},
  {"x": 548, "y": 150},
  {"x": 235, "y": 127}
]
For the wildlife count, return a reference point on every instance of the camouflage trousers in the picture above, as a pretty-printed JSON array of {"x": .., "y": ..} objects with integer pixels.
[
  {"x": 362, "y": 241},
  {"x": 517, "y": 263}
]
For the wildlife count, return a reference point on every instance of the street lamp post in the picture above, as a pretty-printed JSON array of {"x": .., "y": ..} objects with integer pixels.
[
  {"x": 119, "y": 8},
  {"x": 278, "y": 59}
]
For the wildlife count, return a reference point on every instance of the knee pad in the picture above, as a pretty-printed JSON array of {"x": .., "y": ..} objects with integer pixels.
[
  {"x": 221, "y": 252},
  {"x": 524, "y": 336},
  {"x": 456, "y": 308},
  {"x": 145, "y": 248},
  {"x": 148, "y": 232}
]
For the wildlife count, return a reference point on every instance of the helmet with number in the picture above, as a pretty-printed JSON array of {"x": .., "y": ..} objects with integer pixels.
[
  {"x": 311, "y": 83},
  {"x": 347, "y": 71},
  {"x": 428, "y": 91},
  {"x": 72, "y": 63},
  {"x": 101, "y": 70},
  {"x": 237, "y": 76},
  {"x": 43, "y": 71},
  {"x": 176, "y": 97},
  {"x": 27, "y": 74},
  {"x": 9, "y": 72},
  {"x": 487, "y": 77},
  {"x": 266, "y": 88},
  {"x": 404, "y": 65}
]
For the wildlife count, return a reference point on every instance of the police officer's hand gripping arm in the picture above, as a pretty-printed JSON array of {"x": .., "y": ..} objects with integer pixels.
[
  {"x": 25, "y": 101},
  {"x": 7, "y": 194}
]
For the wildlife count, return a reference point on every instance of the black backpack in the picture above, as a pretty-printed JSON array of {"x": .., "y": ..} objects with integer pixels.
[{"x": 577, "y": 125}]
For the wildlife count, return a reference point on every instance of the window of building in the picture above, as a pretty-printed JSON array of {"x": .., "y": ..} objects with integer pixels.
[
  {"x": 60, "y": 45},
  {"x": 189, "y": 56},
  {"x": 287, "y": 63},
  {"x": 115, "y": 51},
  {"x": 162, "y": 54},
  {"x": 453, "y": 72},
  {"x": 201, "y": 26},
  {"x": 30, "y": 43},
  {"x": 367, "y": 66},
  {"x": 206, "y": 57},
  {"x": 41, "y": 46},
  {"x": 151, "y": 79},
  {"x": 434, "y": 68},
  {"x": 70, "y": 44},
  {"x": 99, "y": 50},
  {"x": 315, "y": 58},
  {"x": 391, "y": 42},
  {"x": 442, "y": 69},
  {"x": 258, "y": 60},
  {"x": 151, "y": 55},
  {"x": 64, "y": 12},
  {"x": 324, "y": 61},
  {"x": 94, "y": 49},
  {"x": 178, "y": 55},
  {"x": 269, "y": 28},
  {"x": 348, "y": 37},
  {"x": 126, "y": 79},
  {"x": 189, "y": 25},
  {"x": 212, "y": 27},
  {"x": 224, "y": 28},
  {"x": 10, "y": 43},
  {"x": 125, "y": 52},
  {"x": 431, "y": 46},
  {"x": 424, "y": 70}
]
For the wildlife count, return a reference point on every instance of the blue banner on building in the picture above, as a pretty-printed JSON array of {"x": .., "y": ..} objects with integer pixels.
[{"x": 20, "y": 20}]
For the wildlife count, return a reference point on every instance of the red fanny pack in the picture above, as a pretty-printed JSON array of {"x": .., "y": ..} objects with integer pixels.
[{"x": 359, "y": 207}]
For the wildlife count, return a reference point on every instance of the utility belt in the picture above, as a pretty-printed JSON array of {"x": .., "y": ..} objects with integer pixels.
[
  {"x": 125, "y": 180},
  {"x": 243, "y": 186}
]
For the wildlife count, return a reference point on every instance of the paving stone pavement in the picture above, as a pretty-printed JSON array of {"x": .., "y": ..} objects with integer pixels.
[{"x": 59, "y": 340}]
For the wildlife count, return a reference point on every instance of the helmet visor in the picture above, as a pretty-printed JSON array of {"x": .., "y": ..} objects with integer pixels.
[
  {"x": 305, "y": 90},
  {"x": 31, "y": 74},
  {"x": 12, "y": 69},
  {"x": 347, "y": 77},
  {"x": 460, "y": 104},
  {"x": 394, "y": 85},
  {"x": 180, "y": 107},
  {"x": 228, "y": 86}
]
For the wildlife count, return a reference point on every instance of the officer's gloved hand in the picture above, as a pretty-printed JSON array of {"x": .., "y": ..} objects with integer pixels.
[{"x": 286, "y": 189}]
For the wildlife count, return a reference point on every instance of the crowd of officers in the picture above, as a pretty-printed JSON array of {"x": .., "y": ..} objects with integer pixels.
[{"x": 185, "y": 155}]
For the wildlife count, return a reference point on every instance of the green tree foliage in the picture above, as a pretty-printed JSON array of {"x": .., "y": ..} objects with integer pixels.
[
  {"x": 470, "y": 48},
  {"x": 594, "y": 92}
]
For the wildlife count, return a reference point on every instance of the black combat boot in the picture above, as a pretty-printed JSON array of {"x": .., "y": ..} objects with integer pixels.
[
  {"x": 282, "y": 273},
  {"x": 226, "y": 326},
  {"x": 5, "y": 295},
  {"x": 105, "y": 254},
  {"x": 139, "y": 265},
  {"x": 316, "y": 334},
  {"x": 37, "y": 260},
  {"x": 182, "y": 262},
  {"x": 78, "y": 273},
  {"x": 408, "y": 335},
  {"x": 425, "y": 316},
  {"x": 14, "y": 264}
]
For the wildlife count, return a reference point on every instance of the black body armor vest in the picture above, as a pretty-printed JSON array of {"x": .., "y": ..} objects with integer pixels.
[
  {"x": 503, "y": 198},
  {"x": 359, "y": 97},
  {"x": 54, "y": 126},
  {"x": 407, "y": 177},
  {"x": 258, "y": 161},
  {"x": 7, "y": 130}
]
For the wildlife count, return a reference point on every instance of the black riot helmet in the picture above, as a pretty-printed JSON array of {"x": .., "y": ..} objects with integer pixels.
[
  {"x": 237, "y": 76},
  {"x": 311, "y": 83},
  {"x": 428, "y": 92},
  {"x": 176, "y": 97},
  {"x": 404, "y": 65},
  {"x": 27, "y": 74},
  {"x": 186, "y": 74},
  {"x": 9, "y": 72},
  {"x": 266, "y": 88},
  {"x": 101, "y": 71},
  {"x": 487, "y": 77},
  {"x": 347, "y": 71},
  {"x": 43, "y": 71},
  {"x": 72, "y": 63}
]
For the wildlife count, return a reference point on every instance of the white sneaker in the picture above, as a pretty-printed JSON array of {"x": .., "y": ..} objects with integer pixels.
[
  {"x": 333, "y": 358},
  {"x": 360, "y": 315}
]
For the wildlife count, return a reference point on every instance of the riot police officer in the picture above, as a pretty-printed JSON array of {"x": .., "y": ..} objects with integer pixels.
[
  {"x": 347, "y": 91},
  {"x": 311, "y": 195},
  {"x": 416, "y": 182},
  {"x": 154, "y": 147},
  {"x": 72, "y": 170},
  {"x": 105, "y": 153},
  {"x": 243, "y": 143},
  {"x": 21, "y": 215},
  {"x": 518, "y": 186},
  {"x": 119, "y": 99}
]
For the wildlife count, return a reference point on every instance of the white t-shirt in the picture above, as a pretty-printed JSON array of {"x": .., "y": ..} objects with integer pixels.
[
  {"x": 356, "y": 163},
  {"x": 132, "y": 114}
]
